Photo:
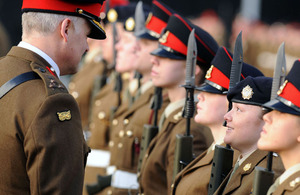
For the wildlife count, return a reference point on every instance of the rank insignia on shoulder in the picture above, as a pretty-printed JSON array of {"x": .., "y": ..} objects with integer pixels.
[
  {"x": 247, "y": 92},
  {"x": 247, "y": 167},
  {"x": 66, "y": 115}
]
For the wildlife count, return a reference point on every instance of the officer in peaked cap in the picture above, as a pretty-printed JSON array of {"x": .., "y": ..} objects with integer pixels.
[
  {"x": 45, "y": 151},
  {"x": 281, "y": 132},
  {"x": 244, "y": 124},
  {"x": 212, "y": 106}
]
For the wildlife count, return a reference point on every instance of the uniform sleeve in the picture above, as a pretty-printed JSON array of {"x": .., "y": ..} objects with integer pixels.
[{"x": 55, "y": 148}]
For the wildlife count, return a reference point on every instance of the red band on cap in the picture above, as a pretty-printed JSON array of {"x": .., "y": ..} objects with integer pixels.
[
  {"x": 156, "y": 24},
  {"x": 219, "y": 78},
  {"x": 174, "y": 43},
  {"x": 61, "y": 6},
  {"x": 291, "y": 93}
]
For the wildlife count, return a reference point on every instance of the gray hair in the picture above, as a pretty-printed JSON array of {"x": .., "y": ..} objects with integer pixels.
[{"x": 43, "y": 23}]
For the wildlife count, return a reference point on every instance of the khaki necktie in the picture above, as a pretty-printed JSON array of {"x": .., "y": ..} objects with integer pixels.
[
  {"x": 273, "y": 187},
  {"x": 236, "y": 166}
]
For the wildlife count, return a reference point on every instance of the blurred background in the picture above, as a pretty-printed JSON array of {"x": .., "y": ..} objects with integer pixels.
[{"x": 265, "y": 25}]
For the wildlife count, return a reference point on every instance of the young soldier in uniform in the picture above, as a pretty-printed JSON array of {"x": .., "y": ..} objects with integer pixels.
[
  {"x": 127, "y": 126},
  {"x": 211, "y": 108},
  {"x": 168, "y": 72},
  {"x": 244, "y": 124},
  {"x": 42, "y": 146},
  {"x": 281, "y": 132},
  {"x": 107, "y": 98},
  {"x": 93, "y": 65}
]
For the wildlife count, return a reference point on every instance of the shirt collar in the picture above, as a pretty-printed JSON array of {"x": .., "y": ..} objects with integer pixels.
[
  {"x": 289, "y": 172},
  {"x": 42, "y": 54}
]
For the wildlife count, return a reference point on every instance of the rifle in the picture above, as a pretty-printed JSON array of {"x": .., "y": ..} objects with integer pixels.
[
  {"x": 150, "y": 131},
  {"x": 223, "y": 156},
  {"x": 264, "y": 177},
  {"x": 184, "y": 143},
  {"x": 112, "y": 17}
]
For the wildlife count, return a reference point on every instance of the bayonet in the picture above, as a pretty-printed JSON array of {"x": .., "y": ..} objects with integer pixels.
[
  {"x": 237, "y": 62},
  {"x": 279, "y": 71},
  {"x": 223, "y": 156},
  {"x": 140, "y": 20},
  {"x": 263, "y": 177},
  {"x": 184, "y": 143}
]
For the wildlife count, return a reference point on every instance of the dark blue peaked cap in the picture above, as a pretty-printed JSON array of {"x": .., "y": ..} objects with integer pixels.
[
  {"x": 218, "y": 76},
  {"x": 157, "y": 20},
  {"x": 174, "y": 39},
  {"x": 252, "y": 91},
  {"x": 288, "y": 99}
]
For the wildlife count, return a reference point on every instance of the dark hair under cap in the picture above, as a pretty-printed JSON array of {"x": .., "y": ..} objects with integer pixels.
[{"x": 252, "y": 91}]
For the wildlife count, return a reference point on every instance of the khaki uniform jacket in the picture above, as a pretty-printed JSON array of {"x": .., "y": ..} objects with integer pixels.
[
  {"x": 157, "y": 168},
  {"x": 41, "y": 153},
  {"x": 82, "y": 84},
  {"x": 99, "y": 126},
  {"x": 126, "y": 136},
  {"x": 290, "y": 186},
  {"x": 127, "y": 132},
  {"x": 242, "y": 180},
  {"x": 188, "y": 182}
]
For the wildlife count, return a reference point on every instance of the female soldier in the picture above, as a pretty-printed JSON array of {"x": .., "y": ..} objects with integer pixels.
[{"x": 281, "y": 132}]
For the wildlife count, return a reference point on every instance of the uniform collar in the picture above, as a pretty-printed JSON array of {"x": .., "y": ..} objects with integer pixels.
[
  {"x": 42, "y": 54},
  {"x": 289, "y": 172}
]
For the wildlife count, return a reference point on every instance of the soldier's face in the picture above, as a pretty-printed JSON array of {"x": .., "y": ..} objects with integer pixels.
[
  {"x": 143, "y": 62},
  {"x": 107, "y": 44},
  {"x": 244, "y": 124},
  {"x": 281, "y": 132},
  {"x": 211, "y": 109},
  {"x": 167, "y": 73},
  {"x": 126, "y": 48}
]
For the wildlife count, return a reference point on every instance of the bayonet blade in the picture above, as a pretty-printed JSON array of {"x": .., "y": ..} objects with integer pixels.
[
  {"x": 279, "y": 71},
  {"x": 139, "y": 18},
  {"x": 191, "y": 60},
  {"x": 237, "y": 62}
]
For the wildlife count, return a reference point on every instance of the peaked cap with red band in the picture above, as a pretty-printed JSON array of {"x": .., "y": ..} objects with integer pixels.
[
  {"x": 157, "y": 20},
  {"x": 88, "y": 9},
  {"x": 174, "y": 39},
  {"x": 218, "y": 75},
  {"x": 288, "y": 99}
]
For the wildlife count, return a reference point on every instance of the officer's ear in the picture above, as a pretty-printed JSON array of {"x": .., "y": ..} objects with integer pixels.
[{"x": 65, "y": 27}]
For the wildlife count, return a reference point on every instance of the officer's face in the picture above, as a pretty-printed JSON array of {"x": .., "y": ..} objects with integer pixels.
[
  {"x": 143, "y": 62},
  {"x": 126, "y": 48},
  {"x": 211, "y": 109},
  {"x": 76, "y": 46},
  {"x": 244, "y": 124},
  {"x": 281, "y": 132},
  {"x": 167, "y": 73}
]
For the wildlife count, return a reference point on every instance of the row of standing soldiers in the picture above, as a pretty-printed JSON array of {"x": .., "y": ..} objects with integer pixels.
[{"x": 133, "y": 95}]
